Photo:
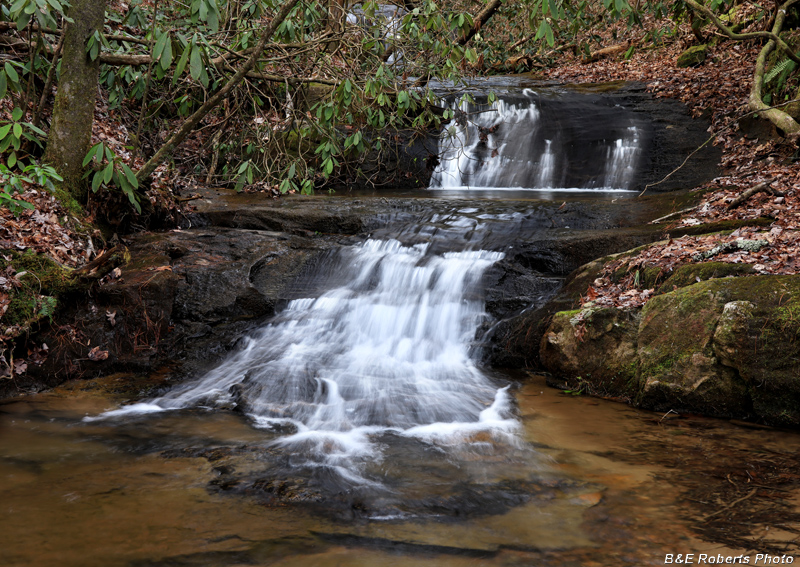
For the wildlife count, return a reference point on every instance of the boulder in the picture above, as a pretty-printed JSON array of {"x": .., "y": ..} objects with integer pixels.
[
  {"x": 678, "y": 366},
  {"x": 593, "y": 348},
  {"x": 185, "y": 298},
  {"x": 693, "y": 56},
  {"x": 726, "y": 347}
]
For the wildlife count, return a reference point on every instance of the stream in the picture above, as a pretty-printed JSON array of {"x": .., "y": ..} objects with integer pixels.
[
  {"x": 612, "y": 486},
  {"x": 358, "y": 426}
]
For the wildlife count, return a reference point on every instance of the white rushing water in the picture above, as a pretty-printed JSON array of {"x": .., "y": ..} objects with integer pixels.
[
  {"x": 524, "y": 143},
  {"x": 387, "y": 351}
]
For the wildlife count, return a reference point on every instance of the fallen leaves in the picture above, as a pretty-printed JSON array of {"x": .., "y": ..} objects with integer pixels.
[
  {"x": 47, "y": 229},
  {"x": 97, "y": 355},
  {"x": 768, "y": 252}
]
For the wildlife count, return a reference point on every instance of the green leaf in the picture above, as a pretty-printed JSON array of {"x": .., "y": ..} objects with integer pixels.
[
  {"x": 11, "y": 72},
  {"x": 96, "y": 181},
  {"x": 195, "y": 64},
  {"x": 133, "y": 198},
  {"x": 16, "y": 114},
  {"x": 130, "y": 176},
  {"x": 22, "y": 20},
  {"x": 3, "y": 84},
  {"x": 4, "y": 130},
  {"x": 181, "y": 64},
  {"x": 18, "y": 5},
  {"x": 35, "y": 129},
  {"x": 17, "y": 130},
  {"x": 160, "y": 44},
  {"x": 108, "y": 173},
  {"x": 291, "y": 173},
  {"x": 12, "y": 159},
  {"x": 166, "y": 57},
  {"x": 542, "y": 31}
]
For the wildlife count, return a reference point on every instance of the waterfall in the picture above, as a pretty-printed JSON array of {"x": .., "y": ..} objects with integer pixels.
[
  {"x": 546, "y": 166},
  {"x": 527, "y": 141},
  {"x": 387, "y": 351},
  {"x": 621, "y": 159}
]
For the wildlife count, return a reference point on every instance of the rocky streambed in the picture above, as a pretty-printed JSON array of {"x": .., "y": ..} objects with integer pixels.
[{"x": 726, "y": 347}]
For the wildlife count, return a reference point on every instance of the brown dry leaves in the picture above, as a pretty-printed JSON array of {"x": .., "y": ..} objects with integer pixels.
[
  {"x": 45, "y": 229},
  {"x": 778, "y": 256}
]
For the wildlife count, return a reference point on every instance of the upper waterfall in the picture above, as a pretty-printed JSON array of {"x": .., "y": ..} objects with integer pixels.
[{"x": 532, "y": 140}]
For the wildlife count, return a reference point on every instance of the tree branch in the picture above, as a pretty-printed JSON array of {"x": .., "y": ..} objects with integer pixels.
[
  {"x": 771, "y": 35},
  {"x": 166, "y": 150},
  {"x": 481, "y": 19}
]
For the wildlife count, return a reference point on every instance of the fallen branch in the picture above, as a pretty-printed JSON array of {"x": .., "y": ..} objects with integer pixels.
[
  {"x": 103, "y": 264},
  {"x": 6, "y": 26},
  {"x": 607, "y": 52},
  {"x": 180, "y": 135},
  {"x": 675, "y": 214},
  {"x": 522, "y": 41},
  {"x": 761, "y": 187},
  {"x": 481, "y": 19}
]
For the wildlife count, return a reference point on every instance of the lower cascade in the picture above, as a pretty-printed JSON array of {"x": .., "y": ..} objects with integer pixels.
[{"x": 386, "y": 352}]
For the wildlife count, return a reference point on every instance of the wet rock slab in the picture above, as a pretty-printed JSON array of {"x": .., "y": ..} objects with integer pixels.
[{"x": 186, "y": 298}]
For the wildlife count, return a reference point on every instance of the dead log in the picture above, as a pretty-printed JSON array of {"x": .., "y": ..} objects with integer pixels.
[
  {"x": 103, "y": 264},
  {"x": 761, "y": 187},
  {"x": 607, "y": 52}
]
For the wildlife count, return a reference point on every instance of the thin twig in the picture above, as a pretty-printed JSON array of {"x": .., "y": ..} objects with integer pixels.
[
  {"x": 734, "y": 503},
  {"x": 51, "y": 73},
  {"x": 676, "y": 213}
]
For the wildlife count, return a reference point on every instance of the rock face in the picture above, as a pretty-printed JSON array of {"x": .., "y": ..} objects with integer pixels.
[
  {"x": 723, "y": 347},
  {"x": 595, "y": 345},
  {"x": 186, "y": 299}
]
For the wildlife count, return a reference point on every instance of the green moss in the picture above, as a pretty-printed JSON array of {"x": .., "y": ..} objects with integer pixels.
[
  {"x": 693, "y": 56},
  {"x": 42, "y": 283},
  {"x": 690, "y": 274},
  {"x": 568, "y": 314},
  {"x": 70, "y": 204}
]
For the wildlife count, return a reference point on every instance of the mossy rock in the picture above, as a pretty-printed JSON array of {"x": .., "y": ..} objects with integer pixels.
[
  {"x": 678, "y": 368},
  {"x": 758, "y": 334},
  {"x": 593, "y": 349},
  {"x": 693, "y": 56},
  {"x": 43, "y": 282},
  {"x": 690, "y": 274},
  {"x": 724, "y": 347}
]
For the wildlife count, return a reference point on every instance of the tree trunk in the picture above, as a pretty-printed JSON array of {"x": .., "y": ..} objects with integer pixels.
[
  {"x": 481, "y": 19},
  {"x": 71, "y": 131}
]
